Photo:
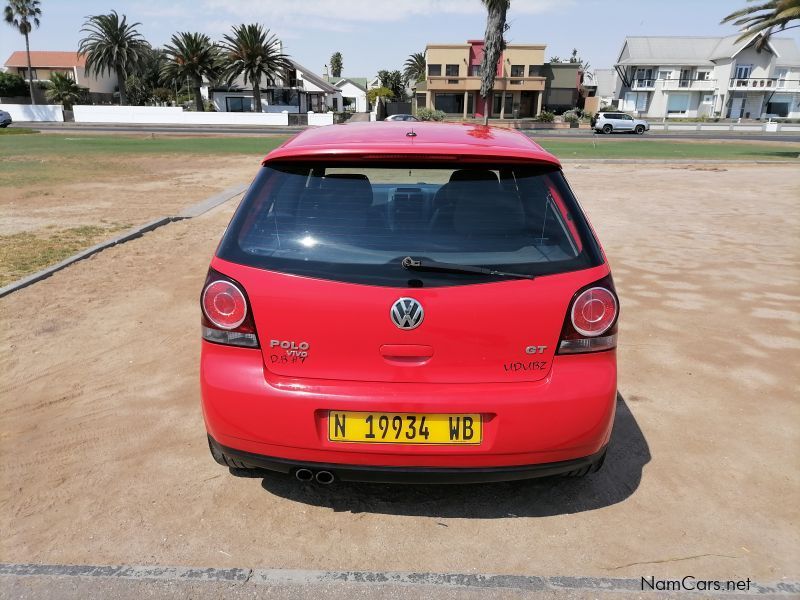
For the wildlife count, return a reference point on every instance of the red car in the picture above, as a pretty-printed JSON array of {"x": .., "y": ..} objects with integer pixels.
[{"x": 409, "y": 302}]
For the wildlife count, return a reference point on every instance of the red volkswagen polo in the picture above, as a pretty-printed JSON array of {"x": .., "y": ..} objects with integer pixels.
[{"x": 409, "y": 302}]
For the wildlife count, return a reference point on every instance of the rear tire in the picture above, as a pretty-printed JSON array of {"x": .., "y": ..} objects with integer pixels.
[
  {"x": 588, "y": 469},
  {"x": 639, "y": 129},
  {"x": 607, "y": 129}
]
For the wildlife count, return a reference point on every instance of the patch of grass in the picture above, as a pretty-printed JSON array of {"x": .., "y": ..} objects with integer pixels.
[
  {"x": 16, "y": 131},
  {"x": 27, "y": 252},
  {"x": 634, "y": 148},
  {"x": 66, "y": 146}
]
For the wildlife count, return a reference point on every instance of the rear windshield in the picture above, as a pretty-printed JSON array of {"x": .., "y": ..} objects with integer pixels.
[{"x": 356, "y": 224}]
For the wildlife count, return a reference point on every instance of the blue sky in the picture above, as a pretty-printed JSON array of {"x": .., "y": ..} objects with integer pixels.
[{"x": 377, "y": 34}]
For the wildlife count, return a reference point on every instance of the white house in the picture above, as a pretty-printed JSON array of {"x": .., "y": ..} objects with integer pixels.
[
  {"x": 354, "y": 92},
  {"x": 299, "y": 90},
  {"x": 663, "y": 77},
  {"x": 72, "y": 64}
]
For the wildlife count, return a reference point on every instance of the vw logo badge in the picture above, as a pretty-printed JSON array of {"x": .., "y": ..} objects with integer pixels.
[{"x": 407, "y": 313}]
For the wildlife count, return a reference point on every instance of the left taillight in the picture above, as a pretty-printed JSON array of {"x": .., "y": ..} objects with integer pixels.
[{"x": 226, "y": 314}]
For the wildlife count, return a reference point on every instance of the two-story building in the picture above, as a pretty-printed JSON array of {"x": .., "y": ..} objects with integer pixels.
[
  {"x": 453, "y": 80},
  {"x": 298, "y": 90},
  {"x": 663, "y": 77},
  {"x": 45, "y": 63}
]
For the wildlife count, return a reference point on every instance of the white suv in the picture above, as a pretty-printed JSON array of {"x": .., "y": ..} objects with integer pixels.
[{"x": 608, "y": 122}]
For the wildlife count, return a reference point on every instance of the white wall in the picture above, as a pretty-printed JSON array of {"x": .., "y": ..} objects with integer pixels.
[
  {"x": 319, "y": 119},
  {"x": 29, "y": 112},
  {"x": 172, "y": 116}
]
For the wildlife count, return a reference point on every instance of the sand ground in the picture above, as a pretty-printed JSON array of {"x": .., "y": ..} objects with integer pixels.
[{"x": 104, "y": 457}]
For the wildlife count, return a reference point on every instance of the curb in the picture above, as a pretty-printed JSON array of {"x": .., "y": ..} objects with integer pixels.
[
  {"x": 487, "y": 583},
  {"x": 189, "y": 213}
]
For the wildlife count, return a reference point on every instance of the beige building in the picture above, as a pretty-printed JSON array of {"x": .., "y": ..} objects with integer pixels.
[
  {"x": 45, "y": 63},
  {"x": 453, "y": 80}
]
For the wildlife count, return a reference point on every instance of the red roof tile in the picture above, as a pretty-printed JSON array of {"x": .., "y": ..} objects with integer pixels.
[{"x": 44, "y": 59}]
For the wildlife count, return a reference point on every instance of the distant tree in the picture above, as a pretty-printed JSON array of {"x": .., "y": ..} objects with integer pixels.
[
  {"x": 23, "y": 15},
  {"x": 62, "y": 89},
  {"x": 414, "y": 67},
  {"x": 252, "y": 53},
  {"x": 394, "y": 81},
  {"x": 192, "y": 56},
  {"x": 493, "y": 46},
  {"x": 555, "y": 59},
  {"x": 765, "y": 18},
  {"x": 12, "y": 85},
  {"x": 383, "y": 93},
  {"x": 112, "y": 45},
  {"x": 336, "y": 64}
]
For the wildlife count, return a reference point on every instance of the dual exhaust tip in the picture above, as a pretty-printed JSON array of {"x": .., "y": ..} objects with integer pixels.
[{"x": 322, "y": 477}]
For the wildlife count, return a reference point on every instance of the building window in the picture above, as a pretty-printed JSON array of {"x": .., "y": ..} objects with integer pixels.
[
  {"x": 239, "y": 104},
  {"x": 779, "y": 109},
  {"x": 451, "y": 70},
  {"x": 24, "y": 73},
  {"x": 453, "y": 103},
  {"x": 743, "y": 71},
  {"x": 780, "y": 75},
  {"x": 664, "y": 74},
  {"x": 677, "y": 104},
  {"x": 420, "y": 100},
  {"x": 283, "y": 96},
  {"x": 434, "y": 70},
  {"x": 703, "y": 75},
  {"x": 518, "y": 70},
  {"x": 474, "y": 70},
  {"x": 497, "y": 99},
  {"x": 534, "y": 70}
]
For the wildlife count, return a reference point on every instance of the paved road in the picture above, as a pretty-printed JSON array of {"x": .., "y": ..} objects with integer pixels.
[{"x": 247, "y": 130}]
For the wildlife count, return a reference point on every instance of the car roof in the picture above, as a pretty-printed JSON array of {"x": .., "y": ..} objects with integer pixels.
[{"x": 388, "y": 139}]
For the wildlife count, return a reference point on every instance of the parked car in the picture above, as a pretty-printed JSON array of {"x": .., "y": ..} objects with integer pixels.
[
  {"x": 401, "y": 118},
  {"x": 387, "y": 310},
  {"x": 609, "y": 122},
  {"x": 5, "y": 119}
]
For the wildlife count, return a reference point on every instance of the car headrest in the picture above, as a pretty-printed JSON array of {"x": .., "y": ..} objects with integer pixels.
[
  {"x": 488, "y": 212},
  {"x": 473, "y": 175},
  {"x": 340, "y": 204}
]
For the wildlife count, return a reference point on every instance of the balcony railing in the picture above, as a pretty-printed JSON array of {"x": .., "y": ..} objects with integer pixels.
[
  {"x": 469, "y": 83},
  {"x": 689, "y": 84},
  {"x": 643, "y": 84},
  {"x": 767, "y": 83}
]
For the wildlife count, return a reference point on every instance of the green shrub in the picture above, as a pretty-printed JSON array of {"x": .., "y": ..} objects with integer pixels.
[
  {"x": 429, "y": 114},
  {"x": 13, "y": 85},
  {"x": 545, "y": 117}
]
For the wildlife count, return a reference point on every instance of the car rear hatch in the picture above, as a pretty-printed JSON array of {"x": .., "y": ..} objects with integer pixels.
[{"x": 319, "y": 250}]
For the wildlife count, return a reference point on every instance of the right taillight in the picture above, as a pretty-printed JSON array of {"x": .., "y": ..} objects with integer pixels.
[
  {"x": 227, "y": 318},
  {"x": 591, "y": 322}
]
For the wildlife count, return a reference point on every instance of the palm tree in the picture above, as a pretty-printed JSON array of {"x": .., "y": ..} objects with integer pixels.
[
  {"x": 336, "y": 64},
  {"x": 414, "y": 67},
  {"x": 765, "y": 18},
  {"x": 251, "y": 52},
  {"x": 23, "y": 15},
  {"x": 114, "y": 46},
  {"x": 63, "y": 90},
  {"x": 191, "y": 56},
  {"x": 493, "y": 45}
]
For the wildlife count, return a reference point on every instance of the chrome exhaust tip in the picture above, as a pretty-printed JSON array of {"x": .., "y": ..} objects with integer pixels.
[
  {"x": 325, "y": 477},
  {"x": 304, "y": 475}
]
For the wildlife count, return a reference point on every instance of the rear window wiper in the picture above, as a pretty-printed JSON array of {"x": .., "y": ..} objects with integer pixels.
[{"x": 432, "y": 265}]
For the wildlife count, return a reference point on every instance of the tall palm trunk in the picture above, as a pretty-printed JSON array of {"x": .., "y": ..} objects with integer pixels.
[
  {"x": 30, "y": 68},
  {"x": 198, "y": 97},
  {"x": 494, "y": 44},
  {"x": 257, "y": 95},
  {"x": 123, "y": 90}
]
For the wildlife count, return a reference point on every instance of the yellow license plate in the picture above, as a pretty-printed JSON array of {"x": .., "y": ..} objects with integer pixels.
[{"x": 404, "y": 428}]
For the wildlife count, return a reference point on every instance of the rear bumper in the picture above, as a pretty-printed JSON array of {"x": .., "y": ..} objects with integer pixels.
[
  {"x": 566, "y": 416},
  {"x": 378, "y": 474}
]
